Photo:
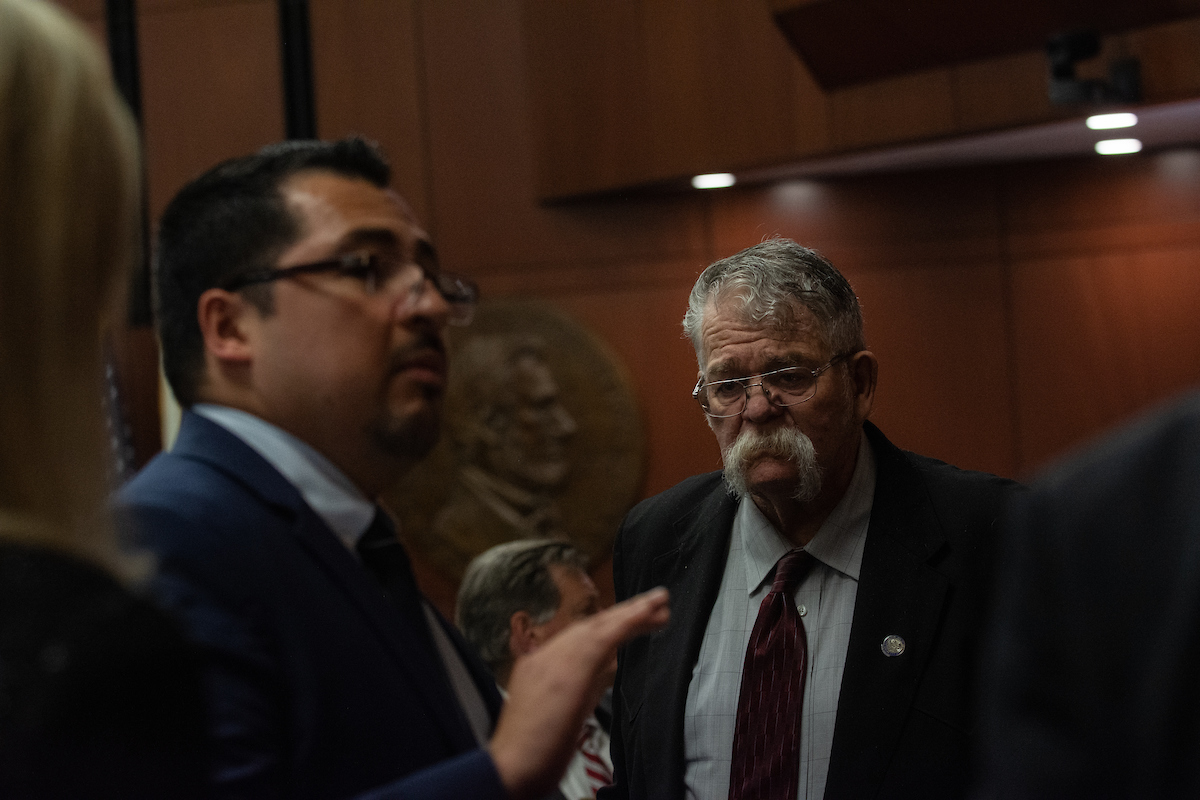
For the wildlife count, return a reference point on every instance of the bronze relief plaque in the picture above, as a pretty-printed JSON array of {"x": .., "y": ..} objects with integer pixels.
[{"x": 541, "y": 436}]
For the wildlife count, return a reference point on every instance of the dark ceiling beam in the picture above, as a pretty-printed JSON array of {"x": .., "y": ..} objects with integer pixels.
[{"x": 847, "y": 42}]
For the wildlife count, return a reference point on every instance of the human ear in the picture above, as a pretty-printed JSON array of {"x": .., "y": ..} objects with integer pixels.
[
  {"x": 222, "y": 318},
  {"x": 864, "y": 372},
  {"x": 522, "y": 638}
]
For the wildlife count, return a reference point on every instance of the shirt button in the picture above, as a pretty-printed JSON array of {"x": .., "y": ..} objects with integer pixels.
[{"x": 802, "y": 609}]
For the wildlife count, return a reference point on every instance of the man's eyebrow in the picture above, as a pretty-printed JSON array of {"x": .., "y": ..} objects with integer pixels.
[
  {"x": 379, "y": 237},
  {"x": 773, "y": 363}
]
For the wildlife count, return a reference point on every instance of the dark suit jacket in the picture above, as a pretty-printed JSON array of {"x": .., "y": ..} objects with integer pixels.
[
  {"x": 902, "y": 724},
  {"x": 318, "y": 689},
  {"x": 1093, "y": 688},
  {"x": 100, "y": 695}
]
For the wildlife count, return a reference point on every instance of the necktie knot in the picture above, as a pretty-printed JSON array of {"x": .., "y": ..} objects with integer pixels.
[{"x": 789, "y": 570}]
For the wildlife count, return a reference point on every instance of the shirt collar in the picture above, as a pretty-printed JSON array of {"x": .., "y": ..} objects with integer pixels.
[
  {"x": 839, "y": 542},
  {"x": 326, "y": 489}
]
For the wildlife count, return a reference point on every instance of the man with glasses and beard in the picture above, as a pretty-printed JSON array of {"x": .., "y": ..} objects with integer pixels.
[
  {"x": 827, "y": 585},
  {"x": 302, "y": 314}
]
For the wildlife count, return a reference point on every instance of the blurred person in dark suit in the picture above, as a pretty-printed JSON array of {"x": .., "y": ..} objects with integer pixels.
[
  {"x": 1090, "y": 682},
  {"x": 99, "y": 694}
]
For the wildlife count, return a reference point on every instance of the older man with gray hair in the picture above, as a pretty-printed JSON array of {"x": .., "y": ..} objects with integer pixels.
[
  {"x": 827, "y": 583},
  {"x": 512, "y": 599}
]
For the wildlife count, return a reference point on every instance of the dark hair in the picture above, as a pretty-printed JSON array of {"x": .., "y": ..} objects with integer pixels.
[
  {"x": 511, "y": 577},
  {"x": 230, "y": 221}
]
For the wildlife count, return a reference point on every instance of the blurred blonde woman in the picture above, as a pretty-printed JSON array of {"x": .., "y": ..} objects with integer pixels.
[{"x": 98, "y": 694}]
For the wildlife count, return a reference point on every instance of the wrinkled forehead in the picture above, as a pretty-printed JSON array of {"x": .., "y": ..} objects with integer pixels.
[{"x": 783, "y": 318}]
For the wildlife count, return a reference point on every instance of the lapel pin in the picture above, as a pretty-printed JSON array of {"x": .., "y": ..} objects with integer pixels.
[{"x": 892, "y": 646}]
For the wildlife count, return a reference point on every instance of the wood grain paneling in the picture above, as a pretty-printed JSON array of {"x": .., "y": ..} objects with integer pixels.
[
  {"x": 1106, "y": 292},
  {"x": 1170, "y": 68},
  {"x": 211, "y": 88},
  {"x": 483, "y": 158},
  {"x": 635, "y": 93},
  {"x": 1002, "y": 92},
  {"x": 630, "y": 92},
  {"x": 367, "y": 76},
  {"x": 909, "y": 108}
]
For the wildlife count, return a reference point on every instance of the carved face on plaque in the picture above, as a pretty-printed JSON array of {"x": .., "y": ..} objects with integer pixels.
[
  {"x": 507, "y": 418},
  {"x": 542, "y": 437}
]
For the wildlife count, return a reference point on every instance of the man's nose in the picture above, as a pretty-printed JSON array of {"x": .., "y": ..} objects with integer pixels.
[
  {"x": 422, "y": 300},
  {"x": 566, "y": 423},
  {"x": 758, "y": 404}
]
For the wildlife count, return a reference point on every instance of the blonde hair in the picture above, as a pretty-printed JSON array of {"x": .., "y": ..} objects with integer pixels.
[{"x": 69, "y": 207}]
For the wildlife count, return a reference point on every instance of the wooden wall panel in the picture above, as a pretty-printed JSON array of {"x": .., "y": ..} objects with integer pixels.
[
  {"x": 367, "y": 81},
  {"x": 1170, "y": 69},
  {"x": 635, "y": 92},
  {"x": 1002, "y": 92},
  {"x": 211, "y": 87},
  {"x": 1106, "y": 292},
  {"x": 908, "y": 108},
  {"x": 630, "y": 92},
  {"x": 485, "y": 208}
]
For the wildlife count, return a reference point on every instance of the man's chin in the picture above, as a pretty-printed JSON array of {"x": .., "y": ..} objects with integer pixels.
[{"x": 410, "y": 436}]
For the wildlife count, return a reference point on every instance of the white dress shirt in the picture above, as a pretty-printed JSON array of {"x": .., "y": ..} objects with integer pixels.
[
  {"x": 825, "y": 599},
  {"x": 348, "y": 512}
]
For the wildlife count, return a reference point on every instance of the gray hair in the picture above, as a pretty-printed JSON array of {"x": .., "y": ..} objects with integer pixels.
[
  {"x": 771, "y": 280},
  {"x": 510, "y": 577}
]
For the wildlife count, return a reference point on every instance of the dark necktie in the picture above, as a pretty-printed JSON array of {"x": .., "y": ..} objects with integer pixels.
[
  {"x": 766, "y": 736},
  {"x": 385, "y": 558}
]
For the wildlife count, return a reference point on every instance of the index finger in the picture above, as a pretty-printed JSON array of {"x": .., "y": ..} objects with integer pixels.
[{"x": 644, "y": 613}]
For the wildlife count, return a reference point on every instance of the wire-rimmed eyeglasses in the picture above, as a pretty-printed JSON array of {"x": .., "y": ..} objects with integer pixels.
[
  {"x": 789, "y": 386},
  {"x": 379, "y": 273}
]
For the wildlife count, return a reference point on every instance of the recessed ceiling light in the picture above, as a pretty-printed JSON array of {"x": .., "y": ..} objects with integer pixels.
[
  {"x": 715, "y": 180},
  {"x": 1104, "y": 122},
  {"x": 1115, "y": 147}
]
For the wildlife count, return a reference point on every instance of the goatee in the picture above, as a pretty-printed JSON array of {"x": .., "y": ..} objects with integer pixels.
[{"x": 787, "y": 444}]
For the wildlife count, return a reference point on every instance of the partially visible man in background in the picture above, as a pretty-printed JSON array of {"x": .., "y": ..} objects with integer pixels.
[{"x": 513, "y": 598}]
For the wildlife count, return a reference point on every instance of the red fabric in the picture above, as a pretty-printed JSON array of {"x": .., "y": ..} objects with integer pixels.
[{"x": 766, "y": 737}]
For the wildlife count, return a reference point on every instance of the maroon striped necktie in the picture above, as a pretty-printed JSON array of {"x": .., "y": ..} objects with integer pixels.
[{"x": 766, "y": 736}]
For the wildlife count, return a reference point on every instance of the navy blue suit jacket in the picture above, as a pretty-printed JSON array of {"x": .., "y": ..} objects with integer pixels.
[
  {"x": 317, "y": 687},
  {"x": 903, "y": 724}
]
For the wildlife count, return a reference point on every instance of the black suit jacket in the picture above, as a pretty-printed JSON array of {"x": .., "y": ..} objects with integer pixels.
[
  {"x": 1093, "y": 688},
  {"x": 903, "y": 722},
  {"x": 318, "y": 689},
  {"x": 100, "y": 695}
]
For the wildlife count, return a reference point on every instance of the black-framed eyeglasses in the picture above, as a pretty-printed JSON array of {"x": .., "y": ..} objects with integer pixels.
[
  {"x": 789, "y": 386},
  {"x": 380, "y": 273}
]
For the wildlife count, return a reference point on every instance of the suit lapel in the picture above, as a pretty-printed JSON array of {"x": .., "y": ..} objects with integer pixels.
[
  {"x": 692, "y": 571},
  {"x": 204, "y": 440},
  {"x": 899, "y": 595}
]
